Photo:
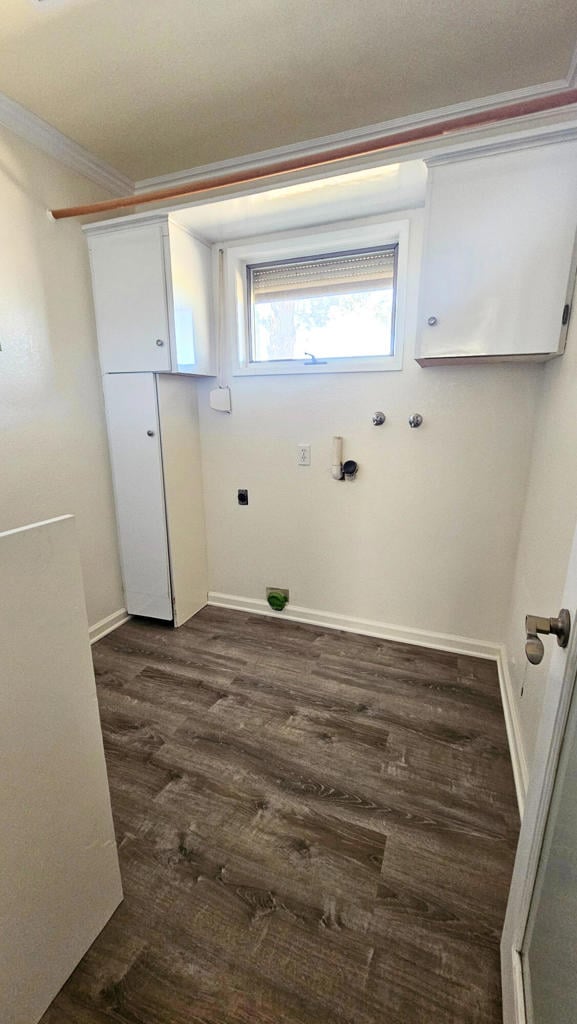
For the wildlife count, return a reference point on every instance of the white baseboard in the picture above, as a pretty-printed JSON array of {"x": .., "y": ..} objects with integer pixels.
[
  {"x": 516, "y": 748},
  {"x": 105, "y": 626},
  {"x": 367, "y": 627}
]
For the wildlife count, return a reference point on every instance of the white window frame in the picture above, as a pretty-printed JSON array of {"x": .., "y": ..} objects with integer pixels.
[{"x": 310, "y": 242}]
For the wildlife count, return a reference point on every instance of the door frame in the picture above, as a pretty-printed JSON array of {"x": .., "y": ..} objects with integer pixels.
[{"x": 560, "y": 685}]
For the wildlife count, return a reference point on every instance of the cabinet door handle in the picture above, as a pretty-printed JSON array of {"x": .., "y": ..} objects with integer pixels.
[
  {"x": 150, "y": 433},
  {"x": 159, "y": 342},
  {"x": 432, "y": 321}
]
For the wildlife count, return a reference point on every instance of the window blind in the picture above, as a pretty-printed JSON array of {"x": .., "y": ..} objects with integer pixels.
[{"x": 347, "y": 272}]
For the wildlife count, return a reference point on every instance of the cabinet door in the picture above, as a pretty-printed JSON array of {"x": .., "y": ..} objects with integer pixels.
[
  {"x": 497, "y": 261},
  {"x": 134, "y": 436},
  {"x": 130, "y": 300}
]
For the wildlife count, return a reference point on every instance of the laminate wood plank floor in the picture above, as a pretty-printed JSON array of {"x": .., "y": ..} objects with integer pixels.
[{"x": 314, "y": 827}]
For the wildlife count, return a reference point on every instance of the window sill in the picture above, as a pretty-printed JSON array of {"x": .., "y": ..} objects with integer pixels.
[{"x": 281, "y": 368}]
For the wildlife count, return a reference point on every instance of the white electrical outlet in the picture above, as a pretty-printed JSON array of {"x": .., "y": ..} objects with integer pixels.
[{"x": 303, "y": 454}]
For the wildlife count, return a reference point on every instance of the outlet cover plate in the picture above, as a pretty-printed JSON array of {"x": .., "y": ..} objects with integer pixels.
[{"x": 303, "y": 454}]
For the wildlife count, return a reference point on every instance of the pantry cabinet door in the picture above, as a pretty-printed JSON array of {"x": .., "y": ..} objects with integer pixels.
[{"x": 134, "y": 436}]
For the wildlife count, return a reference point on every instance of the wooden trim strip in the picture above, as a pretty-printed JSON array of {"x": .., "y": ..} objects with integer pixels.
[{"x": 439, "y": 129}]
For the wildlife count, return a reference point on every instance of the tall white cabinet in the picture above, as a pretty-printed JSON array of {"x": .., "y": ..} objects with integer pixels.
[
  {"x": 157, "y": 475},
  {"x": 152, "y": 289}
]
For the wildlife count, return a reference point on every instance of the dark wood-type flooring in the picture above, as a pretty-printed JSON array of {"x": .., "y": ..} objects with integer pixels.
[{"x": 314, "y": 827}]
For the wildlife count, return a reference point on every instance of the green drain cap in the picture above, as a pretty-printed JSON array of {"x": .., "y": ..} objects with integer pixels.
[{"x": 277, "y": 600}]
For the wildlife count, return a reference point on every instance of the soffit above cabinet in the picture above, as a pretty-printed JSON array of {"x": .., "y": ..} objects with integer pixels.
[
  {"x": 322, "y": 200},
  {"x": 366, "y": 193}
]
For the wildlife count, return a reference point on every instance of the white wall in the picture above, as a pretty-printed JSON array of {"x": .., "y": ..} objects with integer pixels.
[
  {"x": 546, "y": 534},
  {"x": 424, "y": 538},
  {"x": 54, "y": 455}
]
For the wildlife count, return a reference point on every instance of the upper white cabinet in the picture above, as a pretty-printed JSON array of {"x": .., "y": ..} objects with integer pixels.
[
  {"x": 152, "y": 285},
  {"x": 498, "y": 261}
]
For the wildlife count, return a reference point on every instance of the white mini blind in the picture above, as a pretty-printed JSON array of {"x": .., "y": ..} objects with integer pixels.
[{"x": 334, "y": 273}]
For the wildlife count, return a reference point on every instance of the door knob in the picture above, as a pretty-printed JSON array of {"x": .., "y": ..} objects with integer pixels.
[{"x": 535, "y": 624}]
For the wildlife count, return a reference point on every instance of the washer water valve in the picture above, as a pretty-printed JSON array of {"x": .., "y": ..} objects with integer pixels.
[{"x": 535, "y": 624}]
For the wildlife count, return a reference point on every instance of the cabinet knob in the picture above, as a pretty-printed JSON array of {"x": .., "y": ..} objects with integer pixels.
[
  {"x": 159, "y": 342},
  {"x": 150, "y": 433},
  {"x": 432, "y": 322}
]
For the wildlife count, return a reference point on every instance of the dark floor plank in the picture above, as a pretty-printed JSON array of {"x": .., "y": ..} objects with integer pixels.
[{"x": 314, "y": 827}]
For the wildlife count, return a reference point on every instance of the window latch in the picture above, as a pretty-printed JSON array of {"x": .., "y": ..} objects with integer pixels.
[{"x": 313, "y": 361}]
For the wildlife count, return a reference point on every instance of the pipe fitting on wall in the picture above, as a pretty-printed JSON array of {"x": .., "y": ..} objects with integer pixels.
[
  {"x": 342, "y": 470},
  {"x": 337, "y": 459}
]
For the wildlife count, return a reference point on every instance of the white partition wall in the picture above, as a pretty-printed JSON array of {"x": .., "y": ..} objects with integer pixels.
[{"x": 59, "y": 875}]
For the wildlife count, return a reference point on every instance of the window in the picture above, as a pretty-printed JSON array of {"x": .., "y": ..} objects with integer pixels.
[
  {"x": 328, "y": 300},
  {"x": 335, "y": 305}
]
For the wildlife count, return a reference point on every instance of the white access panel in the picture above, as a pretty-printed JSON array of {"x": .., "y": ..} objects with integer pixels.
[
  {"x": 134, "y": 438},
  {"x": 130, "y": 299},
  {"x": 497, "y": 261},
  {"x": 59, "y": 875}
]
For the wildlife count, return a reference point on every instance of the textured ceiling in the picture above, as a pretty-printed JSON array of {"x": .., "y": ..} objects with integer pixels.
[{"x": 155, "y": 86}]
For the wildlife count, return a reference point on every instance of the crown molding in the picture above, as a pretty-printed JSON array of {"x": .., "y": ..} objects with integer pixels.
[
  {"x": 470, "y": 149},
  {"x": 572, "y": 73},
  {"x": 49, "y": 140},
  {"x": 104, "y": 227},
  {"x": 54, "y": 143},
  {"x": 364, "y": 134}
]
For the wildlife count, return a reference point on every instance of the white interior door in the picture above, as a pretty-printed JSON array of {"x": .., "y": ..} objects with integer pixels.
[
  {"x": 538, "y": 948},
  {"x": 135, "y": 451},
  {"x": 549, "y": 951},
  {"x": 59, "y": 875}
]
